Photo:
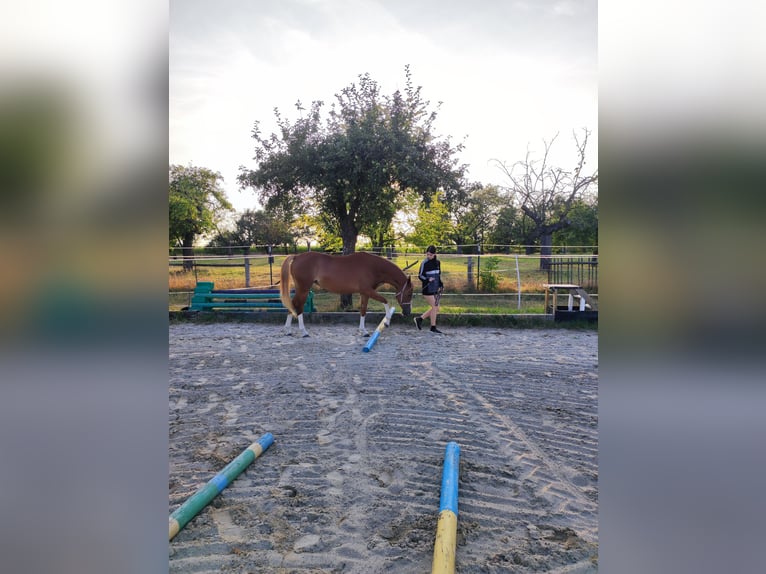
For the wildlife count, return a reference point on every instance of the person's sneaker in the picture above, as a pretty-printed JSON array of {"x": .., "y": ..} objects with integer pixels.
[
  {"x": 419, "y": 322},
  {"x": 435, "y": 330}
]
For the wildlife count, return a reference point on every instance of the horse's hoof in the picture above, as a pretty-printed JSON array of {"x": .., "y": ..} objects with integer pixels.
[{"x": 304, "y": 335}]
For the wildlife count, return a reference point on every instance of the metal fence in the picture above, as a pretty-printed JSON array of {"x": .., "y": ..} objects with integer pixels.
[
  {"x": 479, "y": 275},
  {"x": 582, "y": 271}
]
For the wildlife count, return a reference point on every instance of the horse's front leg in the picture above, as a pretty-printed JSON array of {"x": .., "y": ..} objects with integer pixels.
[
  {"x": 363, "y": 299},
  {"x": 389, "y": 313},
  {"x": 378, "y": 297}
]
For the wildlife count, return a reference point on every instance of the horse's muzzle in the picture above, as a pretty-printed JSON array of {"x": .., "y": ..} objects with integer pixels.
[{"x": 406, "y": 309}]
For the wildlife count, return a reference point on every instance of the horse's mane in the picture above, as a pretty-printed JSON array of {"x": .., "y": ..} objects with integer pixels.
[{"x": 391, "y": 265}]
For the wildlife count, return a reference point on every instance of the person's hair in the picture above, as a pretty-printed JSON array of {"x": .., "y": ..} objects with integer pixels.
[{"x": 431, "y": 249}]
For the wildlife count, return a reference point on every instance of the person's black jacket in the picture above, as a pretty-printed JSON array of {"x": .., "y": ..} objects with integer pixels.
[{"x": 430, "y": 268}]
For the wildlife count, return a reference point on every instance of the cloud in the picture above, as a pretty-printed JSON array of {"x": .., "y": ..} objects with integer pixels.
[
  {"x": 564, "y": 8},
  {"x": 508, "y": 74}
]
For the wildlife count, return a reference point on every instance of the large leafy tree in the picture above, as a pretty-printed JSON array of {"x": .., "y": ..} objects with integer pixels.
[
  {"x": 458, "y": 205},
  {"x": 546, "y": 194},
  {"x": 433, "y": 225},
  {"x": 355, "y": 165},
  {"x": 196, "y": 202},
  {"x": 477, "y": 214},
  {"x": 305, "y": 229},
  {"x": 507, "y": 230},
  {"x": 256, "y": 227},
  {"x": 583, "y": 225}
]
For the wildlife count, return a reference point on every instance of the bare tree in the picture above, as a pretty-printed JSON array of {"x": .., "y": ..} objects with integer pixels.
[{"x": 546, "y": 194}]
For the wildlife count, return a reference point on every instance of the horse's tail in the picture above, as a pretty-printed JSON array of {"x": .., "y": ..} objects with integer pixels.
[{"x": 284, "y": 284}]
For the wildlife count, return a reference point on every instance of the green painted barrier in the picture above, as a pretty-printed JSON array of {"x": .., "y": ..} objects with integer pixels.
[
  {"x": 206, "y": 298},
  {"x": 200, "y": 499}
]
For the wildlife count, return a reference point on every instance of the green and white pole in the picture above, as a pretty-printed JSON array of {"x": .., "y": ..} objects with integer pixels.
[
  {"x": 200, "y": 499},
  {"x": 446, "y": 527}
]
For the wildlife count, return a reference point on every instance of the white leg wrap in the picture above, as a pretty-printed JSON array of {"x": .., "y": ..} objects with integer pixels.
[
  {"x": 288, "y": 324},
  {"x": 362, "y": 329},
  {"x": 301, "y": 327},
  {"x": 389, "y": 313}
]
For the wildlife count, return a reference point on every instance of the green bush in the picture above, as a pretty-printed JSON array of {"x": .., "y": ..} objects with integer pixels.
[{"x": 488, "y": 280}]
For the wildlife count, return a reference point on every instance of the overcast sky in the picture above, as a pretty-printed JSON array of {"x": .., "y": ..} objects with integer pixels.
[{"x": 509, "y": 73}]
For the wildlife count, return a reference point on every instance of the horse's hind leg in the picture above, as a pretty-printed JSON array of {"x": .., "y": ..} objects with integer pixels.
[
  {"x": 301, "y": 327},
  {"x": 298, "y": 301},
  {"x": 288, "y": 324}
]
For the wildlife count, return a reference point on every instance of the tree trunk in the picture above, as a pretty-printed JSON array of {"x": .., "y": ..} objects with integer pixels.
[
  {"x": 546, "y": 242},
  {"x": 188, "y": 251},
  {"x": 349, "y": 234}
]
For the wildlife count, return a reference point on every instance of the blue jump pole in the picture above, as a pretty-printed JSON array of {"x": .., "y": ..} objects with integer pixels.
[
  {"x": 446, "y": 528},
  {"x": 371, "y": 343},
  {"x": 194, "y": 504}
]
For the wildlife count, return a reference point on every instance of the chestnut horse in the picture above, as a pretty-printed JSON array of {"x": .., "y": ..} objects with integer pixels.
[{"x": 359, "y": 273}]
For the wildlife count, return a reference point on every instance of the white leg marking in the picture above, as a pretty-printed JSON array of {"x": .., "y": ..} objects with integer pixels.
[
  {"x": 301, "y": 327},
  {"x": 288, "y": 324},
  {"x": 389, "y": 313}
]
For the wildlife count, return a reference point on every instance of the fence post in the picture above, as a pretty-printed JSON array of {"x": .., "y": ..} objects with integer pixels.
[
  {"x": 518, "y": 280},
  {"x": 247, "y": 268},
  {"x": 271, "y": 264},
  {"x": 478, "y": 267}
]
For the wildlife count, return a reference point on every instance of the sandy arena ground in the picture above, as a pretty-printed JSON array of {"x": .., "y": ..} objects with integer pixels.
[{"x": 351, "y": 483}]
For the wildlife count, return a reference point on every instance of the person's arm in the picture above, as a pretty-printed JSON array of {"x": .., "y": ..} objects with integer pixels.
[{"x": 421, "y": 274}]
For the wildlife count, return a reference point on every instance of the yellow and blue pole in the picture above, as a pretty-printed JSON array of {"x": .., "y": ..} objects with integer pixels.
[
  {"x": 374, "y": 336},
  {"x": 189, "y": 509},
  {"x": 446, "y": 528}
]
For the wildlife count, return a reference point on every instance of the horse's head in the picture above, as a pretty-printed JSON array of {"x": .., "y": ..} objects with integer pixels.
[{"x": 404, "y": 296}]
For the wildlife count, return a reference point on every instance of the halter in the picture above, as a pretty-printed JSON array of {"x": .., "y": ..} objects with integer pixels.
[{"x": 401, "y": 291}]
